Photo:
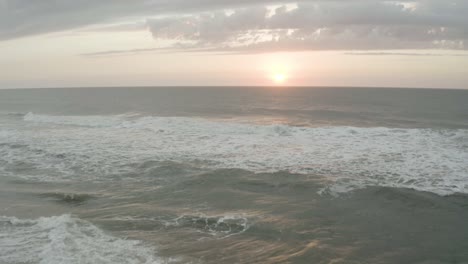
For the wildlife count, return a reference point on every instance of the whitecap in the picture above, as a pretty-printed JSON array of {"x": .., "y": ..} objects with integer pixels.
[{"x": 66, "y": 239}]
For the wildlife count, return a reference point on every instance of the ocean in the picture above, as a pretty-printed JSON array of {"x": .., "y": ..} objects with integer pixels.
[{"x": 233, "y": 175}]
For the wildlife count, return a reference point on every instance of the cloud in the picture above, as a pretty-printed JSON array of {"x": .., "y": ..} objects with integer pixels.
[
  {"x": 324, "y": 25},
  {"x": 19, "y": 18},
  {"x": 254, "y": 25}
]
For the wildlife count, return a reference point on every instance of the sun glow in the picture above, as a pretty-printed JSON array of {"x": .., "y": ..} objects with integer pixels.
[
  {"x": 279, "y": 78},
  {"x": 280, "y": 69}
]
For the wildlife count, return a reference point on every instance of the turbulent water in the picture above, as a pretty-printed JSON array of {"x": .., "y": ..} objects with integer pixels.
[{"x": 233, "y": 175}]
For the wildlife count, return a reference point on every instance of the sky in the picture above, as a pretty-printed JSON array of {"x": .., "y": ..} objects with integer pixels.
[{"x": 363, "y": 43}]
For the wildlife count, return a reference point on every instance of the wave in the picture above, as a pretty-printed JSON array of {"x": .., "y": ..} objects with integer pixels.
[
  {"x": 96, "y": 147},
  {"x": 65, "y": 239},
  {"x": 86, "y": 121},
  {"x": 14, "y": 114},
  {"x": 218, "y": 226},
  {"x": 68, "y": 198}
]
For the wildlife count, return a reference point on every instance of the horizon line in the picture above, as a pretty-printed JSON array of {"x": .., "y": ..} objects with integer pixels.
[{"x": 234, "y": 86}]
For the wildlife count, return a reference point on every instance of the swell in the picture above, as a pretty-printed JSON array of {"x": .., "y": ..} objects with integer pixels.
[{"x": 68, "y": 197}]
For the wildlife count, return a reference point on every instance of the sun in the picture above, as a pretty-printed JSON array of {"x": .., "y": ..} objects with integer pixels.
[
  {"x": 279, "y": 68},
  {"x": 279, "y": 78}
]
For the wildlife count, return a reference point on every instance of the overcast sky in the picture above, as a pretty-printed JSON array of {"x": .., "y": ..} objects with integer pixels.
[{"x": 74, "y": 43}]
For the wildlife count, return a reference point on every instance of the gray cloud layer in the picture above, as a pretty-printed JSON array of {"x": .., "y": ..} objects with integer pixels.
[
  {"x": 252, "y": 26},
  {"x": 331, "y": 25},
  {"x": 20, "y": 18}
]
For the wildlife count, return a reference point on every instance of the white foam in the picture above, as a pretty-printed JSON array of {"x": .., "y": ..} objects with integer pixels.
[
  {"x": 94, "y": 147},
  {"x": 220, "y": 227},
  {"x": 64, "y": 239}
]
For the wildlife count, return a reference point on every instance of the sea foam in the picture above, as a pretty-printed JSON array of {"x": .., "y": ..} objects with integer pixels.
[
  {"x": 65, "y": 239},
  {"x": 73, "y": 148}
]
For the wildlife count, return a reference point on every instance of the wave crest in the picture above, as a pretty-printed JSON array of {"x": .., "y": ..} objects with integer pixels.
[{"x": 65, "y": 239}]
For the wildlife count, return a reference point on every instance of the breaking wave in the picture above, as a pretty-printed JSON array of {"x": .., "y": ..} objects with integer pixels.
[
  {"x": 65, "y": 239},
  {"x": 64, "y": 148}
]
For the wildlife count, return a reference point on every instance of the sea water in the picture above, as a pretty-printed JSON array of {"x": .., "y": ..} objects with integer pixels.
[{"x": 233, "y": 175}]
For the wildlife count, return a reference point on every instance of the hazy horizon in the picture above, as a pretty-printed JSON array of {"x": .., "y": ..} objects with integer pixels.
[{"x": 233, "y": 87}]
